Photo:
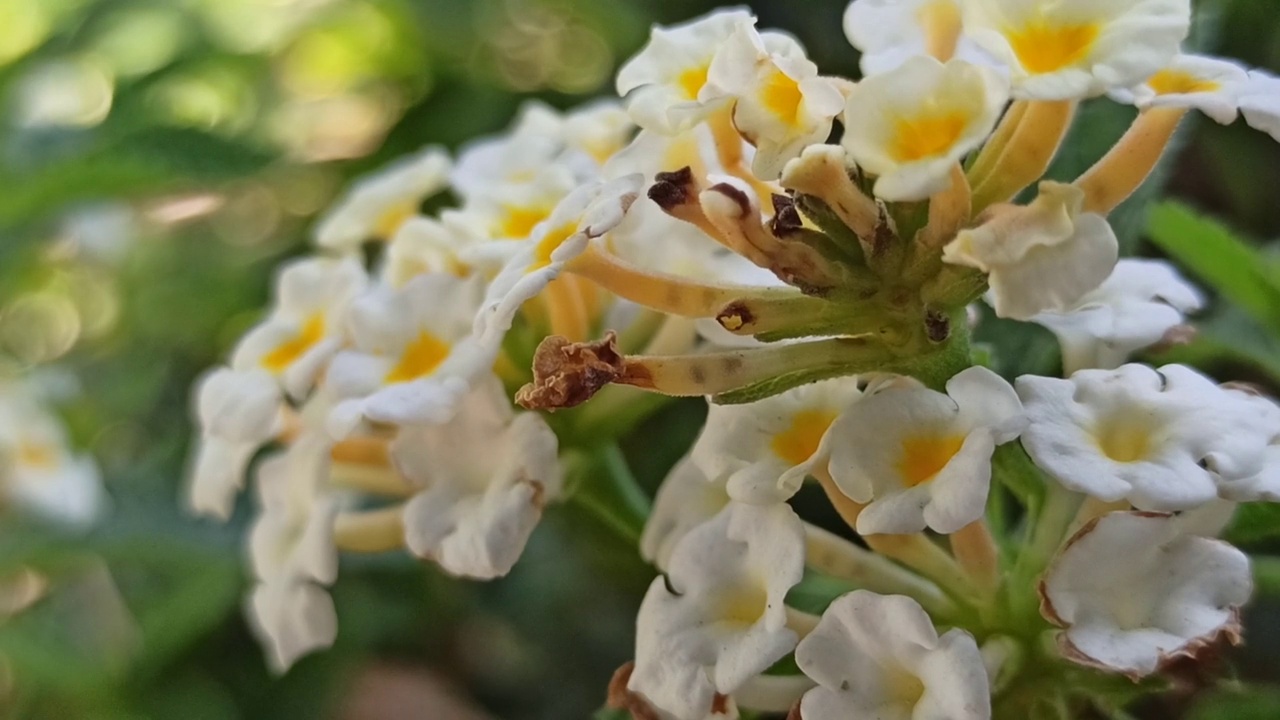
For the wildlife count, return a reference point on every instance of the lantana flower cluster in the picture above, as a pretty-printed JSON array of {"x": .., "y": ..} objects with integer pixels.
[{"x": 803, "y": 251}]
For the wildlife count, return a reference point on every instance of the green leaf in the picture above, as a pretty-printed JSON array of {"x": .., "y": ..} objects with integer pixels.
[
  {"x": 1219, "y": 259},
  {"x": 1254, "y": 703},
  {"x": 611, "y": 714},
  {"x": 1254, "y": 523}
]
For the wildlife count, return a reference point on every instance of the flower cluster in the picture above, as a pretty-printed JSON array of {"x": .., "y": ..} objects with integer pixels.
[{"x": 802, "y": 250}]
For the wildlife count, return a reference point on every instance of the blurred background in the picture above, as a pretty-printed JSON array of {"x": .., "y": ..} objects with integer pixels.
[{"x": 159, "y": 157}]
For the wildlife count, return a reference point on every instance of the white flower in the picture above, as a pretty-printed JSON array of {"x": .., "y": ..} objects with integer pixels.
[
  {"x": 1207, "y": 84},
  {"x": 1260, "y": 103},
  {"x": 890, "y": 32},
  {"x": 666, "y": 82},
  {"x": 911, "y": 125},
  {"x": 1265, "y": 485},
  {"x": 587, "y": 213},
  {"x": 782, "y": 106},
  {"x": 291, "y": 546},
  {"x": 525, "y": 154},
  {"x": 305, "y": 328},
  {"x": 1134, "y": 308},
  {"x": 878, "y": 657},
  {"x": 1135, "y": 592},
  {"x": 38, "y": 470},
  {"x": 686, "y": 499},
  {"x": 411, "y": 360},
  {"x": 764, "y": 450},
  {"x": 1077, "y": 49},
  {"x": 1042, "y": 257},
  {"x": 598, "y": 130},
  {"x": 379, "y": 203},
  {"x": 1163, "y": 440},
  {"x": 292, "y": 619},
  {"x": 717, "y": 619},
  {"x": 920, "y": 457},
  {"x": 238, "y": 412},
  {"x": 293, "y": 534},
  {"x": 486, "y": 476},
  {"x": 426, "y": 246}
]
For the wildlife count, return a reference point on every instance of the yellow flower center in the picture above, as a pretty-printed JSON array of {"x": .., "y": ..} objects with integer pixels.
[
  {"x": 39, "y": 456},
  {"x": 923, "y": 457},
  {"x": 1124, "y": 442},
  {"x": 518, "y": 223},
  {"x": 926, "y": 136},
  {"x": 1043, "y": 46},
  {"x": 549, "y": 243},
  {"x": 1177, "y": 82},
  {"x": 692, "y": 80},
  {"x": 942, "y": 24},
  {"x": 288, "y": 352},
  {"x": 781, "y": 96},
  {"x": 420, "y": 358},
  {"x": 799, "y": 442},
  {"x": 905, "y": 688},
  {"x": 391, "y": 220},
  {"x": 743, "y": 604}
]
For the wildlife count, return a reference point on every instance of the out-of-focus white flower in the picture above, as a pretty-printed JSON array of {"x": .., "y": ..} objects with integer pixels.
[
  {"x": 486, "y": 474},
  {"x": 1260, "y": 103},
  {"x": 717, "y": 618},
  {"x": 293, "y": 534},
  {"x": 1134, "y": 308},
  {"x": 411, "y": 360},
  {"x": 1078, "y": 49},
  {"x": 598, "y": 130},
  {"x": 890, "y": 32},
  {"x": 238, "y": 412},
  {"x": 377, "y": 204},
  {"x": 911, "y": 125},
  {"x": 666, "y": 82},
  {"x": 305, "y": 328},
  {"x": 39, "y": 472},
  {"x": 764, "y": 450},
  {"x": 291, "y": 547},
  {"x": 879, "y": 656},
  {"x": 920, "y": 457},
  {"x": 1163, "y": 440},
  {"x": 781, "y": 104},
  {"x": 686, "y": 499},
  {"x": 292, "y": 619},
  {"x": 586, "y": 214},
  {"x": 425, "y": 246},
  {"x": 1210, "y": 85},
  {"x": 1135, "y": 592},
  {"x": 1042, "y": 257}
]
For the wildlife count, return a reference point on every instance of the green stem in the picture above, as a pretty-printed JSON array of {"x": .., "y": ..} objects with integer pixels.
[
  {"x": 601, "y": 483},
  {"x": 1047, "y": 530}
]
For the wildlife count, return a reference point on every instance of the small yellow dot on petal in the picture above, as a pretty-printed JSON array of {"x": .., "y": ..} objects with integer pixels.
[
  {"x": 1124, "y": 442},
  {"x": 420, "y": 358},
  {"x": 39, "y": 456},
  {"x": 1044, "y": 47},
  {"x": 288, "y": 352},
  {"x": 926, "y": 136},
  {"x": 1177, "y": 82},
  {"x": 781, "y": 95},
  {"x": 923, "y": 457},
  {"x": 800, "y": 441},
  {"x": 549, "y": 244},
  {"x": 391, "y": 220},
  {"x": 517, "y": 223},
  {"x": 691, "y": 81}
]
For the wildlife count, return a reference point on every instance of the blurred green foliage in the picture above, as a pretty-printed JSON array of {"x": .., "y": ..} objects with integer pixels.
[{"x": 158, "y": 157}]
